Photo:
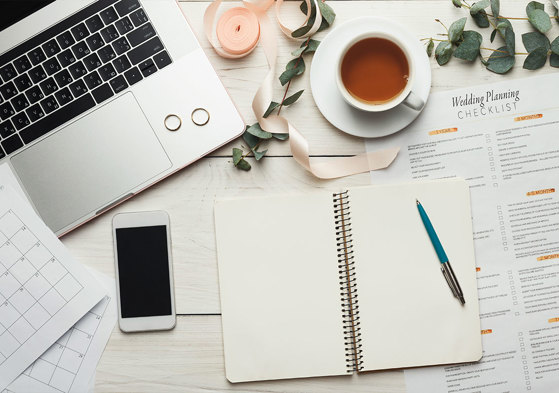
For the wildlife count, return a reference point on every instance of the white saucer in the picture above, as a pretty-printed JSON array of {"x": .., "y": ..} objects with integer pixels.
[{"x": 331, "y": 103}]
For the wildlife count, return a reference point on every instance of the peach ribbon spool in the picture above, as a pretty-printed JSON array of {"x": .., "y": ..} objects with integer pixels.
[{"x": 238, "y": 34}]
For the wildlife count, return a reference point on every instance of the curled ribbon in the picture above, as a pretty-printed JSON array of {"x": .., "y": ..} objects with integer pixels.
[{"x": 238, "y": 32}]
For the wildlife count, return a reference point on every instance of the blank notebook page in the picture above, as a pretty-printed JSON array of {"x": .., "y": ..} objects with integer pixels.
[
  {"x": 279, "y": 287},
  {"x": 409, "y": 316}
]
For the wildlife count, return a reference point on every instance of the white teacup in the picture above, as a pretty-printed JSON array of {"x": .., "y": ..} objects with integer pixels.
[{"x": 406, "y": 96}]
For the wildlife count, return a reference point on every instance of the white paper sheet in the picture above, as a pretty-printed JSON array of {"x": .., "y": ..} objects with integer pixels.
[
  {"x": 43, "y": 291},
  {"x": 504, "y": 139},
  {"x": 69, "y": 364}
]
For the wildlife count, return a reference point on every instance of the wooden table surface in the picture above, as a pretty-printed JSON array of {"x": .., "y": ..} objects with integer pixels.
[{"x": 189, "y": 358}]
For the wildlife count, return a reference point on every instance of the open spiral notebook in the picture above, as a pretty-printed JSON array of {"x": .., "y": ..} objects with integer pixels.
[{"x": 335, "y": 283}]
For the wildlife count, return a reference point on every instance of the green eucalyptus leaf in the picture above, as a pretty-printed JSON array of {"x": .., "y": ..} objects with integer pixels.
[
  {"x": 259, "y": 132},
  {"x": 536, "y": 59},
  {"x": 286, "y": 76},
  {"x": 244, "y": 165},
  {"x": 293, "y": 68},
  {"x": 500, "y": 61},
  {"x": 540, "y": 20},
  {"x": 510, "y": 40},
  {"x": 556, "y": 7},
  {"x": 532, "y": 6},
  {"x": 303, "y": 7},
  {"x": 430, "y": 47},
  {"x": 457, "y": 3},
  {"x": 555, "y": 46},
  {"x": 259, "y": 154},
  {"x": 301, "y": 31},
  {"x": 479, "y": 6},
  {"x": 281, "y": 137},
  {"x": 291, "y": 99},
  {"x": 469, "y": 47},
  {"x": 299, "y": 51},
  {"x": 273, "y": 105},
  {"x": 502, "y": 25},
  {"x": 323, "y": 25},
  {"x": 312, "y": 46},
  {"x": 481, "y": 19},
  {"x": 554, "y": 60},
  {"x": 327, "y": 12},
  {"x": 534, "y": 40},
  {"x": 237, "y": 155},
  {"x": 495, "y": 8},
  {"x": 456, "y": 29},
  {"x": 443, "y": 52},
  {"x": 493, "y": 34},
  {"x": 250, "y": 139}
]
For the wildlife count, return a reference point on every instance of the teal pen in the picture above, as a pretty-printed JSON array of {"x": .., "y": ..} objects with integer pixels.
[{"x": 446, "y": 268}]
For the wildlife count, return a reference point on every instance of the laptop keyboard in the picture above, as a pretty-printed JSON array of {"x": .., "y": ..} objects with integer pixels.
[{"x": 73, "y": 66}]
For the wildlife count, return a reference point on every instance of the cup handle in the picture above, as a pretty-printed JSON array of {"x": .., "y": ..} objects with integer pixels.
[{"x": 414, "y": 102}]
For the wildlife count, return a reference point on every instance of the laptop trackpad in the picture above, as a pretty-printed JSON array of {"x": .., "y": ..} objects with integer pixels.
[{"x": 91, "y": 162}]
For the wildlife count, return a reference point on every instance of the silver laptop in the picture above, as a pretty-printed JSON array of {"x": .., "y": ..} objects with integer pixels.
[{"x": 86, "y": 87}]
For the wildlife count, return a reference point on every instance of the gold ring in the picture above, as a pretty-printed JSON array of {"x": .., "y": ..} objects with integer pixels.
[
  {"x": 199, "y": 123},
  {"x": 169, "y": 117}
]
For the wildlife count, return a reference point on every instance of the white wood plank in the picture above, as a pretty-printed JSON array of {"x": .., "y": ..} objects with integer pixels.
[
  {"x": 188, "y": 197},
  {"x": 190, "y": 359}
]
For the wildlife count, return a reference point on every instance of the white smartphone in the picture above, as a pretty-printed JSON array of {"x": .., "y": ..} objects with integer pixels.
[{"x": 144, "y": 271}]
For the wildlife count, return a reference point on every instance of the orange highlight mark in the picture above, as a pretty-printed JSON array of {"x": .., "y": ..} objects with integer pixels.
[
  {"x": 551, "y": 320},
  {"x": 443, "y": 131},
  {"x": 529, "y": 117},
  {"x": 487, "y": 331},
  {"x": 546, "y": 257},
  {"x": 478, "y": 269},
  {"x": 540, "y": 192}
]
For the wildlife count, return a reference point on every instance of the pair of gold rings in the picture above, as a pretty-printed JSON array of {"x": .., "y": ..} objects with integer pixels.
[{"x": 199, "y": 116}]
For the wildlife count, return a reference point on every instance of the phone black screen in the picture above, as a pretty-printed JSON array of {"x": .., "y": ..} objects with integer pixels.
[{"x": 143, "y": 271}]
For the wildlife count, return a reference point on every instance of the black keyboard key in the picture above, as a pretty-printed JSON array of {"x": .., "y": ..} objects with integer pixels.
[
  {"x": 133, "y": 76},
  {"x": 121, "y": 64},
  {"x": 52, "y": 66},
  {"x": 48, "y": 86},
  {"x": 92, "y": 62},
  {"x": 37, "y": 56},
  {"x": 22, "y": 64},
  {"x": 77, "y": 70},
  {"x": 37, "y": 74},
  {"x": 23, "y": 82},
  {"x": 35, "y": 113},
  {"x": 81, "y": 50},
  {"x": 8, "y": 90},
  {"x": 63, "y": 96},
  {"x": 12, "y": 144},
  {"x": 141, "y": 34},
  {"x": 34, "y": 94},
  {"x": 7, "y": 129},
  {"x": 94, "y": 42},
  {"x": 8, "y": 72},
  {"x": 119, "y": 84},
  {"x": 109, "y": 33},
  {"x": 106, "y": 53},
  {"x": 20, "y": 121},
  {"x": 78, "y": 88},
  {"x": 147, "y": 67},
  {"x": 49, "y": 104},
  {"x": 138, "y": 17},
  {"x": 102, "y": 93},
  {"x": 121, "y": 45},
  {"x": 49, "y": 123},
  {"x": 80, "y": 32},
  {"x": 20, "y": 102},
  {"x": 108, "y": 15},
  {"x": 162, "y": 59},
  {"x": 65, "y": 40},
  {"x": 107, "y": 72},
  {"x": 63, "y": 78},
  {"x": 147, "y": 49},
  {"x": 6, "y": 111},
  {"x": 94, "y": 23},
  {"x": 124, "y": 7},
  {"x": 124, "y": 25},
  {"x": 66, "y": 58},
  {"x": 92, "y": 80},
  {"x": 51, "y": 48}
]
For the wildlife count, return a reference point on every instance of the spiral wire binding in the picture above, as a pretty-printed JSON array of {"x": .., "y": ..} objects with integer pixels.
[{"x": 348, "y": 284}]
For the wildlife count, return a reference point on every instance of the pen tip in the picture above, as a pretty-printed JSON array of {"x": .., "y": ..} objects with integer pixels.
[{"x": 416, "y": 201}]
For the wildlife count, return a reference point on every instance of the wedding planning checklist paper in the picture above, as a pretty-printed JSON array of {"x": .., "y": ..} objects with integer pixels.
[{"x": 504, "y": 139}]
